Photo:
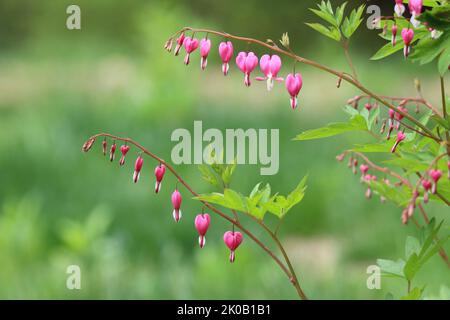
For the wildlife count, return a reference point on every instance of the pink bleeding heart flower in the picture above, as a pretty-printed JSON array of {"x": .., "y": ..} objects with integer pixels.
[
  {"x": 391, "y": 123},
  {"x": 205, "y": 46},
  {"x": 176, "y": 202},
  {"x": 232, "y": 239},
  {"x": 270, "y": 66},
  {"x": 180, "y": 41},
  {"x": 294, "y": 83},
  {"x": 363, "y": 168},
  {"x": 407, "y": 36},
  {"x": 394, "y": 34},
  {"x": 226, "y": 53},
  {"x": 104, "y": 146},
  {"x": 368, "y": 106},
  {"x": 399, "y": 116},
  {"x": 190, "y": 45},
  {"x": 368, "y": 178},
  {"x": 159, "y": 174},
  {"x": 124, "y": 150},
  {"x": 202, "y": 224},
  {"x": 399, "y": 8},
  {"x": 246, "y": 62},
  {"x": 137, "y": 168},
  {"x": 400, "y": 137},
  {"x": 426, "y": 184},
  {"x": 415, "y": 8},
  {"x": 435, "y": 175},
  {"x": 112, "y": 152}
]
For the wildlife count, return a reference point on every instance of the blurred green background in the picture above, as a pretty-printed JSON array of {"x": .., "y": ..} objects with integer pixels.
[{"x": 60, "y": 207}]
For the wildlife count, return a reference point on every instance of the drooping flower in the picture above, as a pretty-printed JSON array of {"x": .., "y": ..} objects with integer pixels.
[
  {"x": 407, "y": 36},
  {"x": 168, "y": 45},
  {"x": 202, "y": 224},
  {"x": 400, "y": 137},
  {"x": 190, "y": 45},
  {"x": 159, "y": 174},
  {"x": 368, "y": 106},
  {"x": 104, "y": 146},
  {"x": 426, "y": 184},
  {"x": 226, "y": 53},
  {"x": 112, "y": 152},
  {"x": 394, "y": 34},
  {"x": 232, "y": 239},
  {"x": 435, "y": 175},
  {"x": 368, "y": 178},
  {"x": 363, "y": 168},
  {"x": 270, "y": 66},
  {"x": 399, "y": 116},
  {"x": 123, "y": 149},
  {"x": 294, "y": 84},
  {"x": 176, "y": 202},
  {"x": 399, "y": 8},
  {"x": 137, "y": 168},
  {"x": 180, "y": 41},
  {"x": 391, "y": 123},
  {"x": 246, "y": 62},
  {"x": 415, "y": 8},
  {"x": 205, "y": 46}
]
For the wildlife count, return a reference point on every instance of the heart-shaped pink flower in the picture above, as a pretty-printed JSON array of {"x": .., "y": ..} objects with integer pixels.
[
  {"x": 202, "y": 224},
  {"x": 225, "y": 52},
  {"x": 176, "y": 202},
  {"x": 407, "y": 36},
  {"x": 190, "y": 45},
  {"x": 270, "y": 66},
  {"x": 124, "y": 150},
  {"x": 294, "y": 83},
  {"x": 246, "y": 62},
  {"x": 205, "y": 46},
  {"x": 232, "y": 239},
  {"x": 137, "y": 168},
  {"x": 159, "y": 175}
]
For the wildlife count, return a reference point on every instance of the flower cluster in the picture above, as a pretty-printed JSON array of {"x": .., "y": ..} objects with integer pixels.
[
  {"x": 270, "y": 65},
  {"x": 232, "y": 239}
]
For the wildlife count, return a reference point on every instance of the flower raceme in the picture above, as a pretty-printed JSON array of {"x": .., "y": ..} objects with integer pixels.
[
  {"x": 159, "y": 175},
  {"x": 137, "y": 168},
  {"x": 246, "y": 62},
  {"x": 190, "y": 45},
  {"x": 124, "y": 150},
  {"x": 205, "y": 46},
  {"x": 270, "y": 66},
  {"x": 407, "y": 36},
  {"x": 176, "y": 202},
  {"x": 294, "y": 83},
  {"x": 226, "y": 53},
  {"x": 232, "y": 240},
  {"x": 202, "y": 224}
]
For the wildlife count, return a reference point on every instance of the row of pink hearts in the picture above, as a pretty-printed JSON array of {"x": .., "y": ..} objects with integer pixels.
[
  {"x": 232, "y": 239},
  {"x": 246, "y": 62}
]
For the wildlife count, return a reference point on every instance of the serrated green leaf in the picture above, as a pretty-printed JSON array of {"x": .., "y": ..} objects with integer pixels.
[
  {"x": 280, "y": 205},
  {"x": 210, "y": 176},
  {"x": 340, "y": 13},
  {"x": 401, "y": 196},
  {"x": 325, "y": 15},
  {"x": 332, "y": 33},
  {"x": 428, "y": 49},
  {"x": 387, "y": 50},
  {"x": 412, "y": 266},
  {"x": 438, "y": 18},
  {"x": 356, "y": 123},
  {"x": 410, "y": 165},
  {"x": 412, "y": 245},
  {"x": 444, "y": 62},
  {"x": 352, "y": 22}
]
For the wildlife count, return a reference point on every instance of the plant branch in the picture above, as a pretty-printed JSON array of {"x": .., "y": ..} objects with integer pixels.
[
  {"x": 349, "y": 59},
  {"x": 314, "y": 64},
  {"x": 287, "y": 270}
]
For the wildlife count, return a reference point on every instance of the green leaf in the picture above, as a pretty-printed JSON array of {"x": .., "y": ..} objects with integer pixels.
[
  {"x": 228, "y": 173},
  {"x": 356, "y": 123},
  {"x": 414, "y": 294},
  {"x": 399, "y": 195},
  {"x": 325, "y": 15},
  {"x": 332, "y": 32},
  {"x": 340, "y": 13},
  {"x": 439, "y": 120},
  {"x": 444, "y": 62},
  {"x": 412, "y": 246},
  {"x": 229, "y": 199},
  {"x": 280, "y": 205},
  {"x": 387, "y": 50},
  {"x": 429, "y": 49},
  {"x": 438, "y": 18},
  {"x": 412, "y": 266},
  {"x": 410, "y": 165},
  {"x": 392, "y": 268},
  {"x": 209, "y": 176},
  {"x": 352, "y": 22}
]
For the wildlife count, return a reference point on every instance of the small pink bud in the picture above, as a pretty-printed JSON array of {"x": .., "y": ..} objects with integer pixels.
[
  {"x": 294, "y": 84},
  {"x": 190, "y": 45},
  {"x": 159, "y": 174},
  {"x": 202, "y": 224},
  {"x": 123, "y": 149},
  {"x": 137, "y": 168},
  {"x": 88, "y": 145},
  {"x": 168, "y": 45},
  {"x": 232, "y": 239},
  {"x": 426, "y": 184},
  {"x": 364, "y": 168},
  {"x": 205, "y": 46},
  {"x": 400, "y": 137},
  {"x": 112, "y": 152},
  {"x": 180, "y": 41},
  {"x": 340, "y": 157},
  {"x": 176, "y": 202},
  {"x": 104, "y": 146},
  {"x": 246, "y": 62},
  {"x": 225, "y": 52},
  {"x": 405, "y": 216},
  {"x": 394, "y": 34},
  {"x": 368, "y": 106}
]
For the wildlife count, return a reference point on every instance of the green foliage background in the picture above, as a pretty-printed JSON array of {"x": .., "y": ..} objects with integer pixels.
[{"x": 60, "y": 207}]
